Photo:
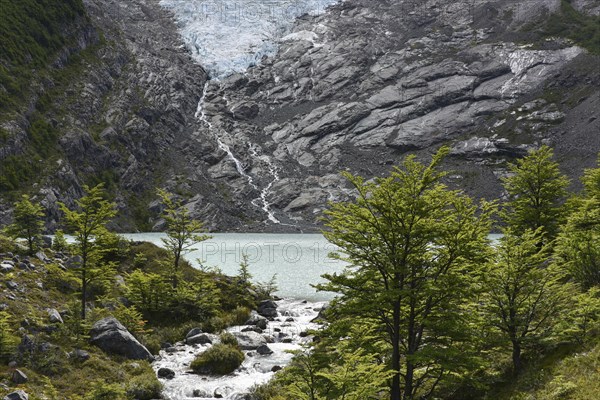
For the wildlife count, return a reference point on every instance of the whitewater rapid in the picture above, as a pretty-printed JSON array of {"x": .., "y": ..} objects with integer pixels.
[{"x": 294, "y": 318}]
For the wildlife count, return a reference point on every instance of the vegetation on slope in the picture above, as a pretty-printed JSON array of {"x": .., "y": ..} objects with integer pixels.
[
  {"x": 428, "y": 309},
  {"x": 132, "y": 281},
  {"x": 31, "y": 32}
]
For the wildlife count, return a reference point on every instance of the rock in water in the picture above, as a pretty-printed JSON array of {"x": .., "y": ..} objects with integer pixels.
[
  {"x": 264, "y": 350},
  {"x": 18, "y": 395},
  {"x": 249, "y": 340},
  {"x": 267, "y": 308},
  {"x": 202, "y": 338},
  {"x": 112, "y": 337},
  {"x": 166, "y": 373}
]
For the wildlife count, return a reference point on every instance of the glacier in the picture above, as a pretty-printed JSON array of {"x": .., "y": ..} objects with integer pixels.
[{"x": 229, "y": 36}]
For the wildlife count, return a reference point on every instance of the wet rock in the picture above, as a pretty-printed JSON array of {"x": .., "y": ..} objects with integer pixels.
[
  {"x": 249, "y": 340},
  {"x": 202, "y": 338},
  {"x": 276, "y": 368},
  {"x": 257, "y": 320},
  {"x": 267, "y": 309},
  {"x": 165, "y": 373},
  {"x": 193, "y": 332},
  {"x": 264, "y": 350}
]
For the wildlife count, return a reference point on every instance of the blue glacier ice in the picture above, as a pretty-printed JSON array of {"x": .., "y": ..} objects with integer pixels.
[{"x": 228, "y": 36}]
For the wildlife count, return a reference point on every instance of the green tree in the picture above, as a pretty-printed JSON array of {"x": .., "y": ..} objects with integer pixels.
[
  {"x": 60, "y": 242},
  {"x": 88, "y": 221},
  {"x": 583, "y": 317},
  {"x": 28, "y": 222},
  {"x": 7, "y": 339},
  {"x": 183, "y": 231},
  {"x": 523, "y": 295},
  {"x": 244, "y": 274},
  {"x": 578, "y": 244},
  {"x": 536, "y": 190},
  {"x": 410, "y": 244}
]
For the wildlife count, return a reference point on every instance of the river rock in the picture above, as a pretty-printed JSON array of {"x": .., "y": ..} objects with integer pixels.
[
  {"x": 193, "y": 332},
  {"x": 264, "y": 350},
  {"x": 18, "y": 395},
  {"x": 166, "y": 373},
  {"x": 257, "y": 320},
  {"x": 203, "y": 338},
  {"x": 112, "y": 337},
  {"x": 249, "y": 340},
  {"x": 267, "y": 308}
]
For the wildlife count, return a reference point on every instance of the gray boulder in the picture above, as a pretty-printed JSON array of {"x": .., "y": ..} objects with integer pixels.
[
  {"x": 18, "y": 395},
  {"x": 202, "y": 338},
  {"x": 166, "y": 373},
  {"x": 19, "y": 377},
  {"x": 257, "y": 320},
  {"x": 264, "y": 350},
  {"x": 267, "y": 308},
  {"x": 54, "y": 316},
  {"x": 193, "y": 332},
  {"x": 112, "y": 337},
  {"x": 249, "y": 340}
]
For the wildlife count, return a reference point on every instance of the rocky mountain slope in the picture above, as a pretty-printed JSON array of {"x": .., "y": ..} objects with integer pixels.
[{"x": 355, "y": 88}]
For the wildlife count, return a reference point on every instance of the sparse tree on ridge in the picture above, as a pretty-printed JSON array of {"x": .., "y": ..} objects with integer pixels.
[
  {"x": 28, "y": 222},
  {"x": 183, "y": 232},
  {"x": 87, "y": 222}
]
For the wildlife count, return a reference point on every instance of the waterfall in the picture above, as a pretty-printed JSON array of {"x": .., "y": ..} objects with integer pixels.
[{"x": 262, "y": 201}]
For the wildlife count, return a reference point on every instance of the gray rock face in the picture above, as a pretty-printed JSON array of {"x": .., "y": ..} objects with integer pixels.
[{"x": 112, "y": 337}]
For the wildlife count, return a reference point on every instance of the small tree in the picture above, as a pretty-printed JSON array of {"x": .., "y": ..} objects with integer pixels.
[
  {"x": 522, "y": 294},
  {"x": 88, "y": 222},
  {"x": 183, "y": 231},
  {"x": 578, "y": 244},
  {"x": 536, "y": 190},
  {"x": 60, "y": 242},
  {"x": 411, "y": 245},
  {"x": 244, "y": 272},
  {"x": 7, "y": 339},
  {"x": 28, "y": 223}
]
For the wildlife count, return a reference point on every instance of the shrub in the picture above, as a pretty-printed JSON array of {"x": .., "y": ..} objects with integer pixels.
[
  {"x": 240, "y": 315},
  {"x": 144, "y": 387},
  {"x": 106, "y": 391},
  {"x": 220, "y": 359},
  {"x": 228, "y": 339}
]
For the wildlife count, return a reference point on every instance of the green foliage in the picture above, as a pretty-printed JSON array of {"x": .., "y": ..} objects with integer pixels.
[
  {"x": 149, "y": 292},
  {"x": 64, "y": 281},
  {"x": 88, "y": 222},
  {"x": 7, "y": 244},
  {"x": 144, "y": 387},
  {"x": 106, "y": 391},
  {"x": 583, "y": 29},
  {"x": 411, "y": 245},
  {"x": 537, "y": 190},
  {"x": 244, "y": 274},
  {"x": 183, "y": 232},
  {"x": 265, "y": 290},
  {"x": 578, "y": 244},
  {"x": 582, "y": 318},
  {"x": 228, "y": 339},
  {"x": 522, "y": 294},
  {"x": 28, "y": 223},
  {"x": 130, "y": 317},
  {"x": 59, "y": 243},
  {"x": 219, "y": 359},
  {"x": 7, "y": 339},
  {"x": 31, "y": 32}
]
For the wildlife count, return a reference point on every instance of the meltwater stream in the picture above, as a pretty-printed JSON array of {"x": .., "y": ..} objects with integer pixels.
[{"x": 282, "y": 335}]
